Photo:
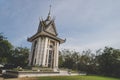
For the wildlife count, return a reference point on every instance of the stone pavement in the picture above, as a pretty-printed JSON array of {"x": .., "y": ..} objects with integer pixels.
[
  {"x": 19, "y": 79},
  {"x": 9, "y": 78},
  {"x": 1, "y": 78}
]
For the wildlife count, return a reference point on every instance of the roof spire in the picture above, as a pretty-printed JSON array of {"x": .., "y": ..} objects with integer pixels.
[
  {"x": 49, "y": 11},
  {"x": 49, "y": 8},
  {"x": 48, "y": 17}
]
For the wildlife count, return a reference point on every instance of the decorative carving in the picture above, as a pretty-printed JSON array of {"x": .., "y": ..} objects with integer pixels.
[{"x": 51, "y": 30}]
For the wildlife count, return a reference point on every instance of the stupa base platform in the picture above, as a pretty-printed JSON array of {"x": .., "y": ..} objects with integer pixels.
[{"x": 12, "y": 73}]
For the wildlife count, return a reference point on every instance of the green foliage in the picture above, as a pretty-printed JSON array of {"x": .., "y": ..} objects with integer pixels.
[
  {"x": 68, "y": 59},
  {"x": 109, "y": 62},
  {"x": 11, "y": 55},
  {"x": 102, "y": 62},
  {"x": 20, "y": 56},
  {"x": 5, "y": 49}
]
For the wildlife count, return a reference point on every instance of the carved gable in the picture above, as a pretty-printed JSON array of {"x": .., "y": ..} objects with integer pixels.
[{"x": 51, "y": 29}]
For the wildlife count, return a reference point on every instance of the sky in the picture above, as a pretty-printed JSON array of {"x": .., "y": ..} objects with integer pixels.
[{"x": 85, "y": 24}]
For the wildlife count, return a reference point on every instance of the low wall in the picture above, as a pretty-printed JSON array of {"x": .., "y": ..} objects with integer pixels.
[{"x": 37, "y": 74}]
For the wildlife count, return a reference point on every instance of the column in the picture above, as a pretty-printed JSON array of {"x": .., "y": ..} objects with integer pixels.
[
  {"x": 42, "y": 50},
  {"x": 45, "y": 51},
  {"x": 55, "y": 68},
  {"x": 48, "y": 51},
  {"x": 37, "y": 52},
  {"x": 40, "y": 53},
  {"x": 55, "y": 47},
  {"x": 57, "y": 54},
  {"x": 30, "y": 54}
]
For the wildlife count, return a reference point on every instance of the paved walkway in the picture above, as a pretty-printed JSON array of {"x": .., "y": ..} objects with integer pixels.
[
  {"x": 1, "y": 78},
  {"x": 9, "y": 78},
  {"x": 18, "y": 79}
]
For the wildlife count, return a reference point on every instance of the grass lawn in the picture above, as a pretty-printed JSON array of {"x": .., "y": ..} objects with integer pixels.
[{"x": 74, "y": 78}]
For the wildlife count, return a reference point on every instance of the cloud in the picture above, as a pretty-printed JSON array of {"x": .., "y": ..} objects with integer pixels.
[{"x": 90, "y": 24}]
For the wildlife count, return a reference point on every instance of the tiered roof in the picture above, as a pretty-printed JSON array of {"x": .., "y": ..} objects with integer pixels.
[{"x": 47, "y": 28}]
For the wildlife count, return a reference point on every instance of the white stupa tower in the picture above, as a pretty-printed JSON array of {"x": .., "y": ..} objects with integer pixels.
[{"x": 45, "y": 45}]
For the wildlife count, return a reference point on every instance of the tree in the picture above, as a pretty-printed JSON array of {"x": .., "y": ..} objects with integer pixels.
[
  {"x": 109, "y": 62},
  {"x": 20, "y": 56},
  {"x": 103, "y": 62},
  {"x": 69, "y": 59},
  {"x": 87, "y": 61},
  {"x": 5, "y": 49},
  {"x": 61, "y": 60},
  {"x": 11, "y": 55}
]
